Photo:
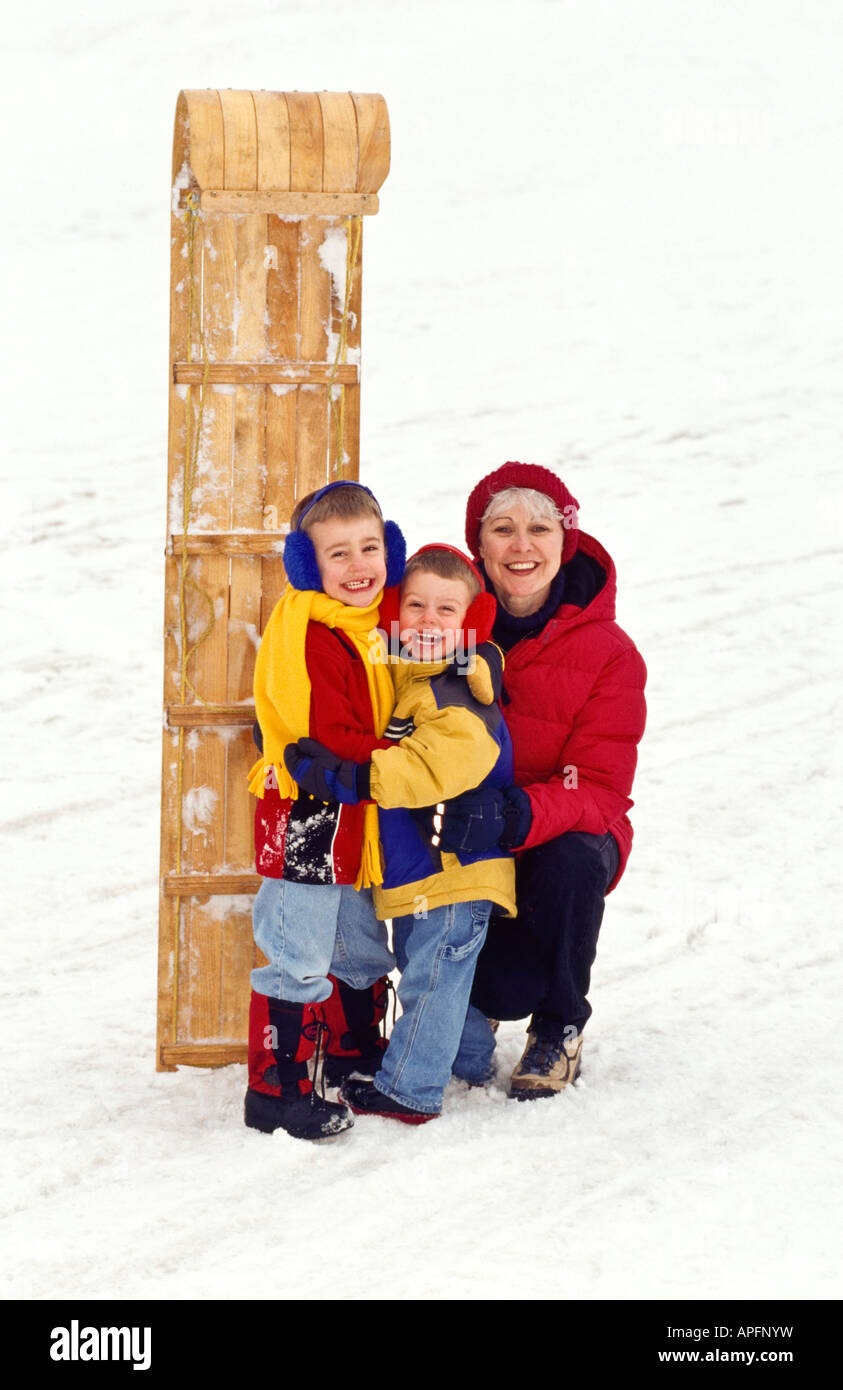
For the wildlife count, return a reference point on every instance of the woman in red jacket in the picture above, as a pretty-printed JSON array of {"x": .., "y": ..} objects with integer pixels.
[{"x": 574, "y": 702}]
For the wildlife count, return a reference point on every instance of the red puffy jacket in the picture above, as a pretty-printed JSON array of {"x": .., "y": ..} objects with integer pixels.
[{"x": 574, "y": 704}]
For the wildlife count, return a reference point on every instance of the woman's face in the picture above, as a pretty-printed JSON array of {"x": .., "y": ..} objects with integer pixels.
[{"x": 522, "y": 554}]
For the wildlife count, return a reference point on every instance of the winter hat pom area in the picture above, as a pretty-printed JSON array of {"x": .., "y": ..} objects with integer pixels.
[{"x": 531, "y": 475}]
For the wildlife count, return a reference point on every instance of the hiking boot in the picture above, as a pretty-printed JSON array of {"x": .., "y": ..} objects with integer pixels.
[
  {"x": 551, "y": 1061},
  {"x": 365, "y": 1099}
]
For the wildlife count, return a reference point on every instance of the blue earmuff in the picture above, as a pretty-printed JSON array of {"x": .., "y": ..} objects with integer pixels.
[
  {"x": 396, "y": 552},
  {"x": 300, "y": 557}
]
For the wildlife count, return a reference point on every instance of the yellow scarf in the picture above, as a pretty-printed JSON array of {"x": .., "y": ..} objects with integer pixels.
[{"x": 282, "y": 694}]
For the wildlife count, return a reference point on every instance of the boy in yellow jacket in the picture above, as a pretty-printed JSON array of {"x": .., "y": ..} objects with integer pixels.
[{"x": 452, "y": 738}]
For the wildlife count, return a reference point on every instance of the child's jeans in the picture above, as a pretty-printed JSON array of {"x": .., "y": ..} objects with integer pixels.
[
  {"x": 473, "y": 1062},
  {"x": 308, "y": 930},
  {"x": 437, "y": 953}
]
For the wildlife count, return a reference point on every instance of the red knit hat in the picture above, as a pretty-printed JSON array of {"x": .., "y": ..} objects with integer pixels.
[{"x": 530, "y": 475}]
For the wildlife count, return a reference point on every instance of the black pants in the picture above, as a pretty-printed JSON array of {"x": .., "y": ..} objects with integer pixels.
[{"x": 540, "y": 962}]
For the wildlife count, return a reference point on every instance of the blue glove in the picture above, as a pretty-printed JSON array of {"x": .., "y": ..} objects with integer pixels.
[
  {"x": 485, "y": 818},
  {"x": 321, "y": 773}
]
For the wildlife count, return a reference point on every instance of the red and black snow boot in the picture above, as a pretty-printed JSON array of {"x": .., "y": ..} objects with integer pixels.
[
  {"x": 355, "y": 1017},
  {"x": 283, "y": 1036},
  {"x": 366, "y": 1099}
]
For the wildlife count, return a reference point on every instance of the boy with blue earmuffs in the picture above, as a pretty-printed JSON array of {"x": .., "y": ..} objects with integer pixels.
[{"x": 317, "y": 676}]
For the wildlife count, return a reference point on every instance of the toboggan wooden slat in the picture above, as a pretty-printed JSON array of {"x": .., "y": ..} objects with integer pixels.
[{"x": 263, "y": 408}]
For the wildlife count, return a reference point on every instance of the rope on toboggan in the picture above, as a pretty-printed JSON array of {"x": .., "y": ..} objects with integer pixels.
[
  {"x": 353, "y": 231},
  {"x": 193, "y": 436}
]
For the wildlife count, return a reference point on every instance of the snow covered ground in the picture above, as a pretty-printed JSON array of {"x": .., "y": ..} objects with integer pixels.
[{"x": 610, "y": 243}]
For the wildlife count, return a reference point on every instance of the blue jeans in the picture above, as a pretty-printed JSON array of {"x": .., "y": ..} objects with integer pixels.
[
  {"x": 437, "y": 953},
  {"x": 473, "y": 1062},
  {"x": 308, "y": 930}
]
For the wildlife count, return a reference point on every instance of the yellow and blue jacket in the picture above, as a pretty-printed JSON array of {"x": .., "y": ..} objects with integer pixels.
[{"x": 450, "y": 738}]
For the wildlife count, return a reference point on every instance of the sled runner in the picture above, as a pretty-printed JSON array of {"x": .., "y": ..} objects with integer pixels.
[{"x": 268, "y": 195}]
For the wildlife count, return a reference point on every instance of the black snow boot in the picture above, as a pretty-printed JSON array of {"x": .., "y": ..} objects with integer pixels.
[
  {"x": 283, "y": 1036},
  {"x": 356, "y": 1018},
  {"x": 366, "y": 1099}
]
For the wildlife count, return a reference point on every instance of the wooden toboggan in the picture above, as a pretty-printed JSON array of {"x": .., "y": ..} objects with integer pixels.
[{"x": 269, "y": 191}]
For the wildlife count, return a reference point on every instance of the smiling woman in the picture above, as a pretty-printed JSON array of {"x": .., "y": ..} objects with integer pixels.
[
  {"x": 573, "y": 700},
  {"x": 521, "y": 549}
]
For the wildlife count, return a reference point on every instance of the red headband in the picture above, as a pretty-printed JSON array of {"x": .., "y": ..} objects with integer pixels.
[{"x": 480, "y": 614}]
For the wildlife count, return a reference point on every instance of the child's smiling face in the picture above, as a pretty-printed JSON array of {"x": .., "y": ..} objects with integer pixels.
[
  {"x": 351, "y": 557},
  {"x": 432, "y": 614}
]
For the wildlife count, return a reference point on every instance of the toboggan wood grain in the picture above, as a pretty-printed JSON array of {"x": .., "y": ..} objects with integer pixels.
[{"x": 264, "y": 407}]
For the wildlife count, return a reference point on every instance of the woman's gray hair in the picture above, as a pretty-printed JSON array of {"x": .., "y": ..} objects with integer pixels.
[{"x": 538, "y": 504}]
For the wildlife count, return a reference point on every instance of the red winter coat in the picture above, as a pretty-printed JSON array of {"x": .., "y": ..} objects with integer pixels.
[
  {"x": 304, "y": 840},
  {"x": 574, "y": 704}
]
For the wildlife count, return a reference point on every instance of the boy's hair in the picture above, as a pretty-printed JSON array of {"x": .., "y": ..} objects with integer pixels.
[
  {"x": 446, "y": 565},
  {"x": 340, "y": 501}
]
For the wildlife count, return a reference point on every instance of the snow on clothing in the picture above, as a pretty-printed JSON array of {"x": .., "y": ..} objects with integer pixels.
[
  {"x": 313, "y": 677},
  {"x": 453, "y": 739},
  {"x": 574, "y": 704}
]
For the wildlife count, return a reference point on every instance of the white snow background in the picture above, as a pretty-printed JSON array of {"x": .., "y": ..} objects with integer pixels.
[{"x": 610, "y": 242}]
